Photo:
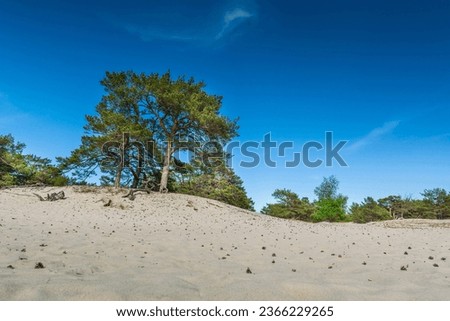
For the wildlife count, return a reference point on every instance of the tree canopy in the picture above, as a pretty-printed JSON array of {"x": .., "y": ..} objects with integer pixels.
[{"x": 328, "y": 188}]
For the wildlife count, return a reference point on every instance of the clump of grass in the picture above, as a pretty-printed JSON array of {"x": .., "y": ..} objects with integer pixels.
[
  {"x": 98, "y": 189},
  {"x": 86, "y": 189}
]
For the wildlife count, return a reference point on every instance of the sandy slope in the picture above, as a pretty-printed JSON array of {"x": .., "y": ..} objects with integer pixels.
[{"x": 178, "y": 247}]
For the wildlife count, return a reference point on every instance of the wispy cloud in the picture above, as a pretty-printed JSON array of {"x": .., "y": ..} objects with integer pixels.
[
  {"x": 374, "y": 135},
  {"x": 197, "y": 27},
  {"x": 231, "y": 19}
]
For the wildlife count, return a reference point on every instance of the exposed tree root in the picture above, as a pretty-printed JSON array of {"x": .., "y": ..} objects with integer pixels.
[{"x": 52, "y": 197}]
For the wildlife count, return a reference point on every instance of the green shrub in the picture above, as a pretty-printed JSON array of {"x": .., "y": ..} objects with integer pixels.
[
  {"x": 289, "y": 205},
  {"x": 220, "y": 189},
  {"x": 369, "y": 211},
  {"x": 330, "y": 210}
]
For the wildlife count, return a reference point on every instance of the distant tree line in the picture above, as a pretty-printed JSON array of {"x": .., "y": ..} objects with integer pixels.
[{"x": 332, "y": 207}]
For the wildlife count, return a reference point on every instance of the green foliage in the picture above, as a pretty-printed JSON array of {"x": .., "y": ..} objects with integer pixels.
[
  {"x": 330, "y": 210},
  {"x": 17, "y": 168},
  {"x": 289, "y": 205},
  {"x": 434, "y": 205},
  {"x": 217, "y": 188},
  {"x": 369, "y": 211},
  {"x": 218, "y": 183},
  {"x": 422, "y": 209},
  {"x": 330, "y": 205},
  {"x": 328, "y": 188},
  {"x": 439, "y": 200},
  {"x": 410, "y": 208},
  {"x": 435, "y": 196},
  {"x": 392, "y": 203},
  {"x": 213, "y": 179}
]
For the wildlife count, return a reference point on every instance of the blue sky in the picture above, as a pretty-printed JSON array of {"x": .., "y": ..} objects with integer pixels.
[{"x": 375, "y": 73}]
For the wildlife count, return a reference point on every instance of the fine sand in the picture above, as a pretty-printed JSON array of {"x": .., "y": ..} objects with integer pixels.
[{"x": 179, "y": 247}]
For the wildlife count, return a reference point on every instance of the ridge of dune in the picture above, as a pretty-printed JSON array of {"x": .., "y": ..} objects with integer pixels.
[{"x": 181, "y": 247}]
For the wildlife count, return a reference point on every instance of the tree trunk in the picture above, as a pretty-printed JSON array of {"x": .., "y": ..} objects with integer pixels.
[
  {"x": 118, "y": 175},
  {"x": 136, "y": 176},
  {"x": 165, "y": 170}
]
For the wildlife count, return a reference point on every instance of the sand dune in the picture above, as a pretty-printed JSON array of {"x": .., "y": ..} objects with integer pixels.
[{"x": 179, "y": 247}]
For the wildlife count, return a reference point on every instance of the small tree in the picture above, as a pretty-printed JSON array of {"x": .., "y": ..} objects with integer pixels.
[
  {"x": 330, "y": 206},
  {"x": 393, "y": 204}
]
